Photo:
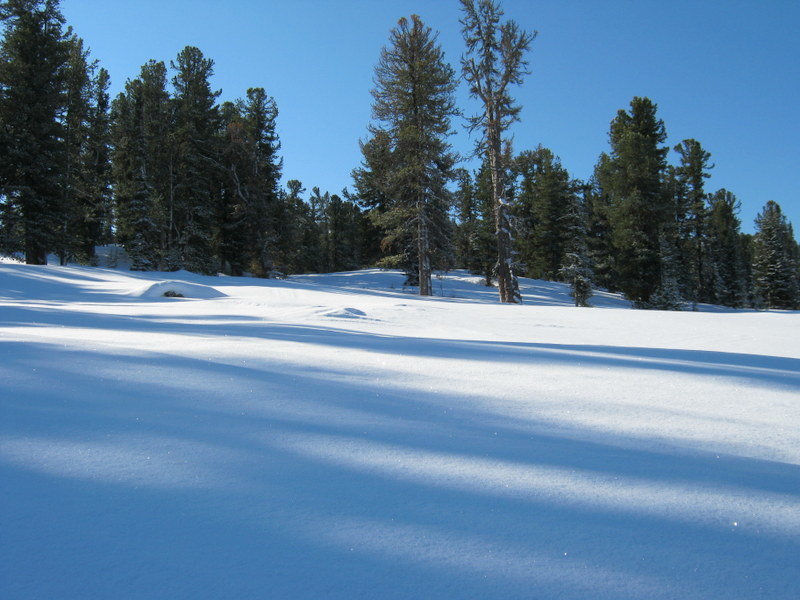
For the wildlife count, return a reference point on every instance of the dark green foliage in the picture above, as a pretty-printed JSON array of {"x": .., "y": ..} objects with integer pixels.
[
  {"x": 33, "y": 69},
  {"x": 142, "y": 169},
  {"x": 631, "y": 180},
  {"x": 196, "y": 166},
  {"x": 256, "y": 234},
  {"x": 599, "y": 243},
  {"x": 408, "y": 161},
  {"x": 692, "y": 219},
  {"x": 546, "y": 213},
  {"x": 725, "y": 251},
  {"x": 485, "y": 240},
  {"x": 467, "y": 222},
  {"x": 775, "y": 259},
  {"x": 576, "y": 266},
  {"x": 98, "y": 215}
]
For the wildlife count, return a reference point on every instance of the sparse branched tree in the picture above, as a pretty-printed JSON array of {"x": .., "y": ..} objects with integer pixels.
[{"x": 495, "y": 61}]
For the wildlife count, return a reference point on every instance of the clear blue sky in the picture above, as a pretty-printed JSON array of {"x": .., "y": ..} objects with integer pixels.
[{"x": 725, "y": 72}]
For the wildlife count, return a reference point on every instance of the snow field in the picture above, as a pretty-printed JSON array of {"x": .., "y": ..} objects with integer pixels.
[{"x": 334, "y": 436}]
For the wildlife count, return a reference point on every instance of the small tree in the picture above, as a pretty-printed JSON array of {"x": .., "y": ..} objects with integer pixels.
[
  {"x": 774, "y": 265},
  {"x": 576, "y": 267}
]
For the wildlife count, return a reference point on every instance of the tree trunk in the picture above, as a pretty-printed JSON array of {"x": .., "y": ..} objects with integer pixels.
[
  {"x": 423, "y": 249},
  {"x": 506, "y": 280}
]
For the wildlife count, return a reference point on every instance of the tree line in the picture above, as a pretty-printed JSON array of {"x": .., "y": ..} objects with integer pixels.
[{"x": 184, "y": 181}]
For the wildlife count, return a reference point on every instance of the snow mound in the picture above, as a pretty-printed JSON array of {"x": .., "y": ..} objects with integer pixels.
[
  {"x": 177, "y": 289},
  {"x": 346, "y": 313}
]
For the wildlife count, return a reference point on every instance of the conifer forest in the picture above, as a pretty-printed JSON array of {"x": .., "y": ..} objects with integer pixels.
[{"x": 184, "y": 181}]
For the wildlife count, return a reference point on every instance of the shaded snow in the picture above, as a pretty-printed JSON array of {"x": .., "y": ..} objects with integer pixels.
[{"x": 334, "y": 436}]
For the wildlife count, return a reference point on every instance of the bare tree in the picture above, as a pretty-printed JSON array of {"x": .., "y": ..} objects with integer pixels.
[{"x": 495, "y": 60}]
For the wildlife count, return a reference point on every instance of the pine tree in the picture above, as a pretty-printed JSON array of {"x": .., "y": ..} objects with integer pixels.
[
  {"x": 137, "y": 223},
  {"x": 690, "y": 176},
  {"x": 33, "y": 59},
  {"x": 143, "y": 170},
  {"x": 774, "y": 263},
  {"x": 412, "y": 105},
  {"x": 599, "y": 240},
  {"x": 725, "y": 250},
  {"x": 253, "y": 205},
  {"x": 632, "y": 181},
  {"x": 98, "y": 214},
  {"x": 302, "y": 238},
  {"x": 494, "y": 61},
  {"x": 467, "y": 220},
  {"x": 486, "y": 239},
  {"x": 197, "y": 167},
  {"x": 576, "y": 266},
  {"x": 547, "y": 195}
]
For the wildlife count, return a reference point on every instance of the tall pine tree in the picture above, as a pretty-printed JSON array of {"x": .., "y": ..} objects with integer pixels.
[
  {"x": 197, "y": 166},
  {"x": 33, "y": 68},
  {"x": 632, "y": 181},
  {"x": 412, "y": 105}
]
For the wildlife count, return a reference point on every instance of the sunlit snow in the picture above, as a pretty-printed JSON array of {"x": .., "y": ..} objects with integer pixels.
[{"x": 335, "y": 436}]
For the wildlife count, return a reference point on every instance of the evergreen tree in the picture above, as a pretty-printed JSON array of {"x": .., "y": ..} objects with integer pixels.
[
  {"x": 196, "y": 160},
  {"x": 302, "y": 240},
  {"x": 467, "y": 220},
  {"x": 546, "y": 209},
  {"x": 137, "y": 223},
  {"x": 412, "y": 104},
  {"x": 75, "y": 130},
  {"x": 33, "y": 63},
  {"x": 494, "y": 61},
  {"x": 632, "y": 180},
  {"x": 253, "y": 206},
  {"x": 668, "y": 294},
  {"x": 486, "y": 239},
  {"x": 342, "y": 234},
  {"x": 599, "y": 240},
  {"x": 774, "y": 263},
  {"x": 576, "y": 266},
  {"x": 725, "y": 250},
  {"x": 690, "y": 176},
  {"x": 143, "y": 170},
  {"x": 98, "y": 214}
]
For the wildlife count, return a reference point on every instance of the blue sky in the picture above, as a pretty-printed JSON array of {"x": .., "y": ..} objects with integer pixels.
[{"x": 726, "y": 73}]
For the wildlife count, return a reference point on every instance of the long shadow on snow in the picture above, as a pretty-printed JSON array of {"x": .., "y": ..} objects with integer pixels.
[
  {"x": 390, "y": 412},
  {"x": 765, "y": 370},
  {"x": 301, "y": 527}
]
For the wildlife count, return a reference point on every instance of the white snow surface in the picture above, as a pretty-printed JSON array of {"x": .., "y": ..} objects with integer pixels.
[
  {"x": 335, "y": 436},
  {"x": 182, "y": 289}
]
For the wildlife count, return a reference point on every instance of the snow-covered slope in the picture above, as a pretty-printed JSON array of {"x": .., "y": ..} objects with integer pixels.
[{"x": 334, "y": 436}]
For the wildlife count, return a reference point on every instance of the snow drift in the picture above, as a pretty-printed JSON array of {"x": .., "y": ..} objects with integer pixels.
[{"x": 177, "y": 289}]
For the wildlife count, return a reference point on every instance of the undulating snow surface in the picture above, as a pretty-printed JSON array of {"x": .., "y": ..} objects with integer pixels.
[{"x": 334, "y": 436}]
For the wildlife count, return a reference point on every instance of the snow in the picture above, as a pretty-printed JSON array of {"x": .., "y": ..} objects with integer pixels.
[
  {"x": 172, "y": 288},
  {"x": 335, "y": 436}
]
